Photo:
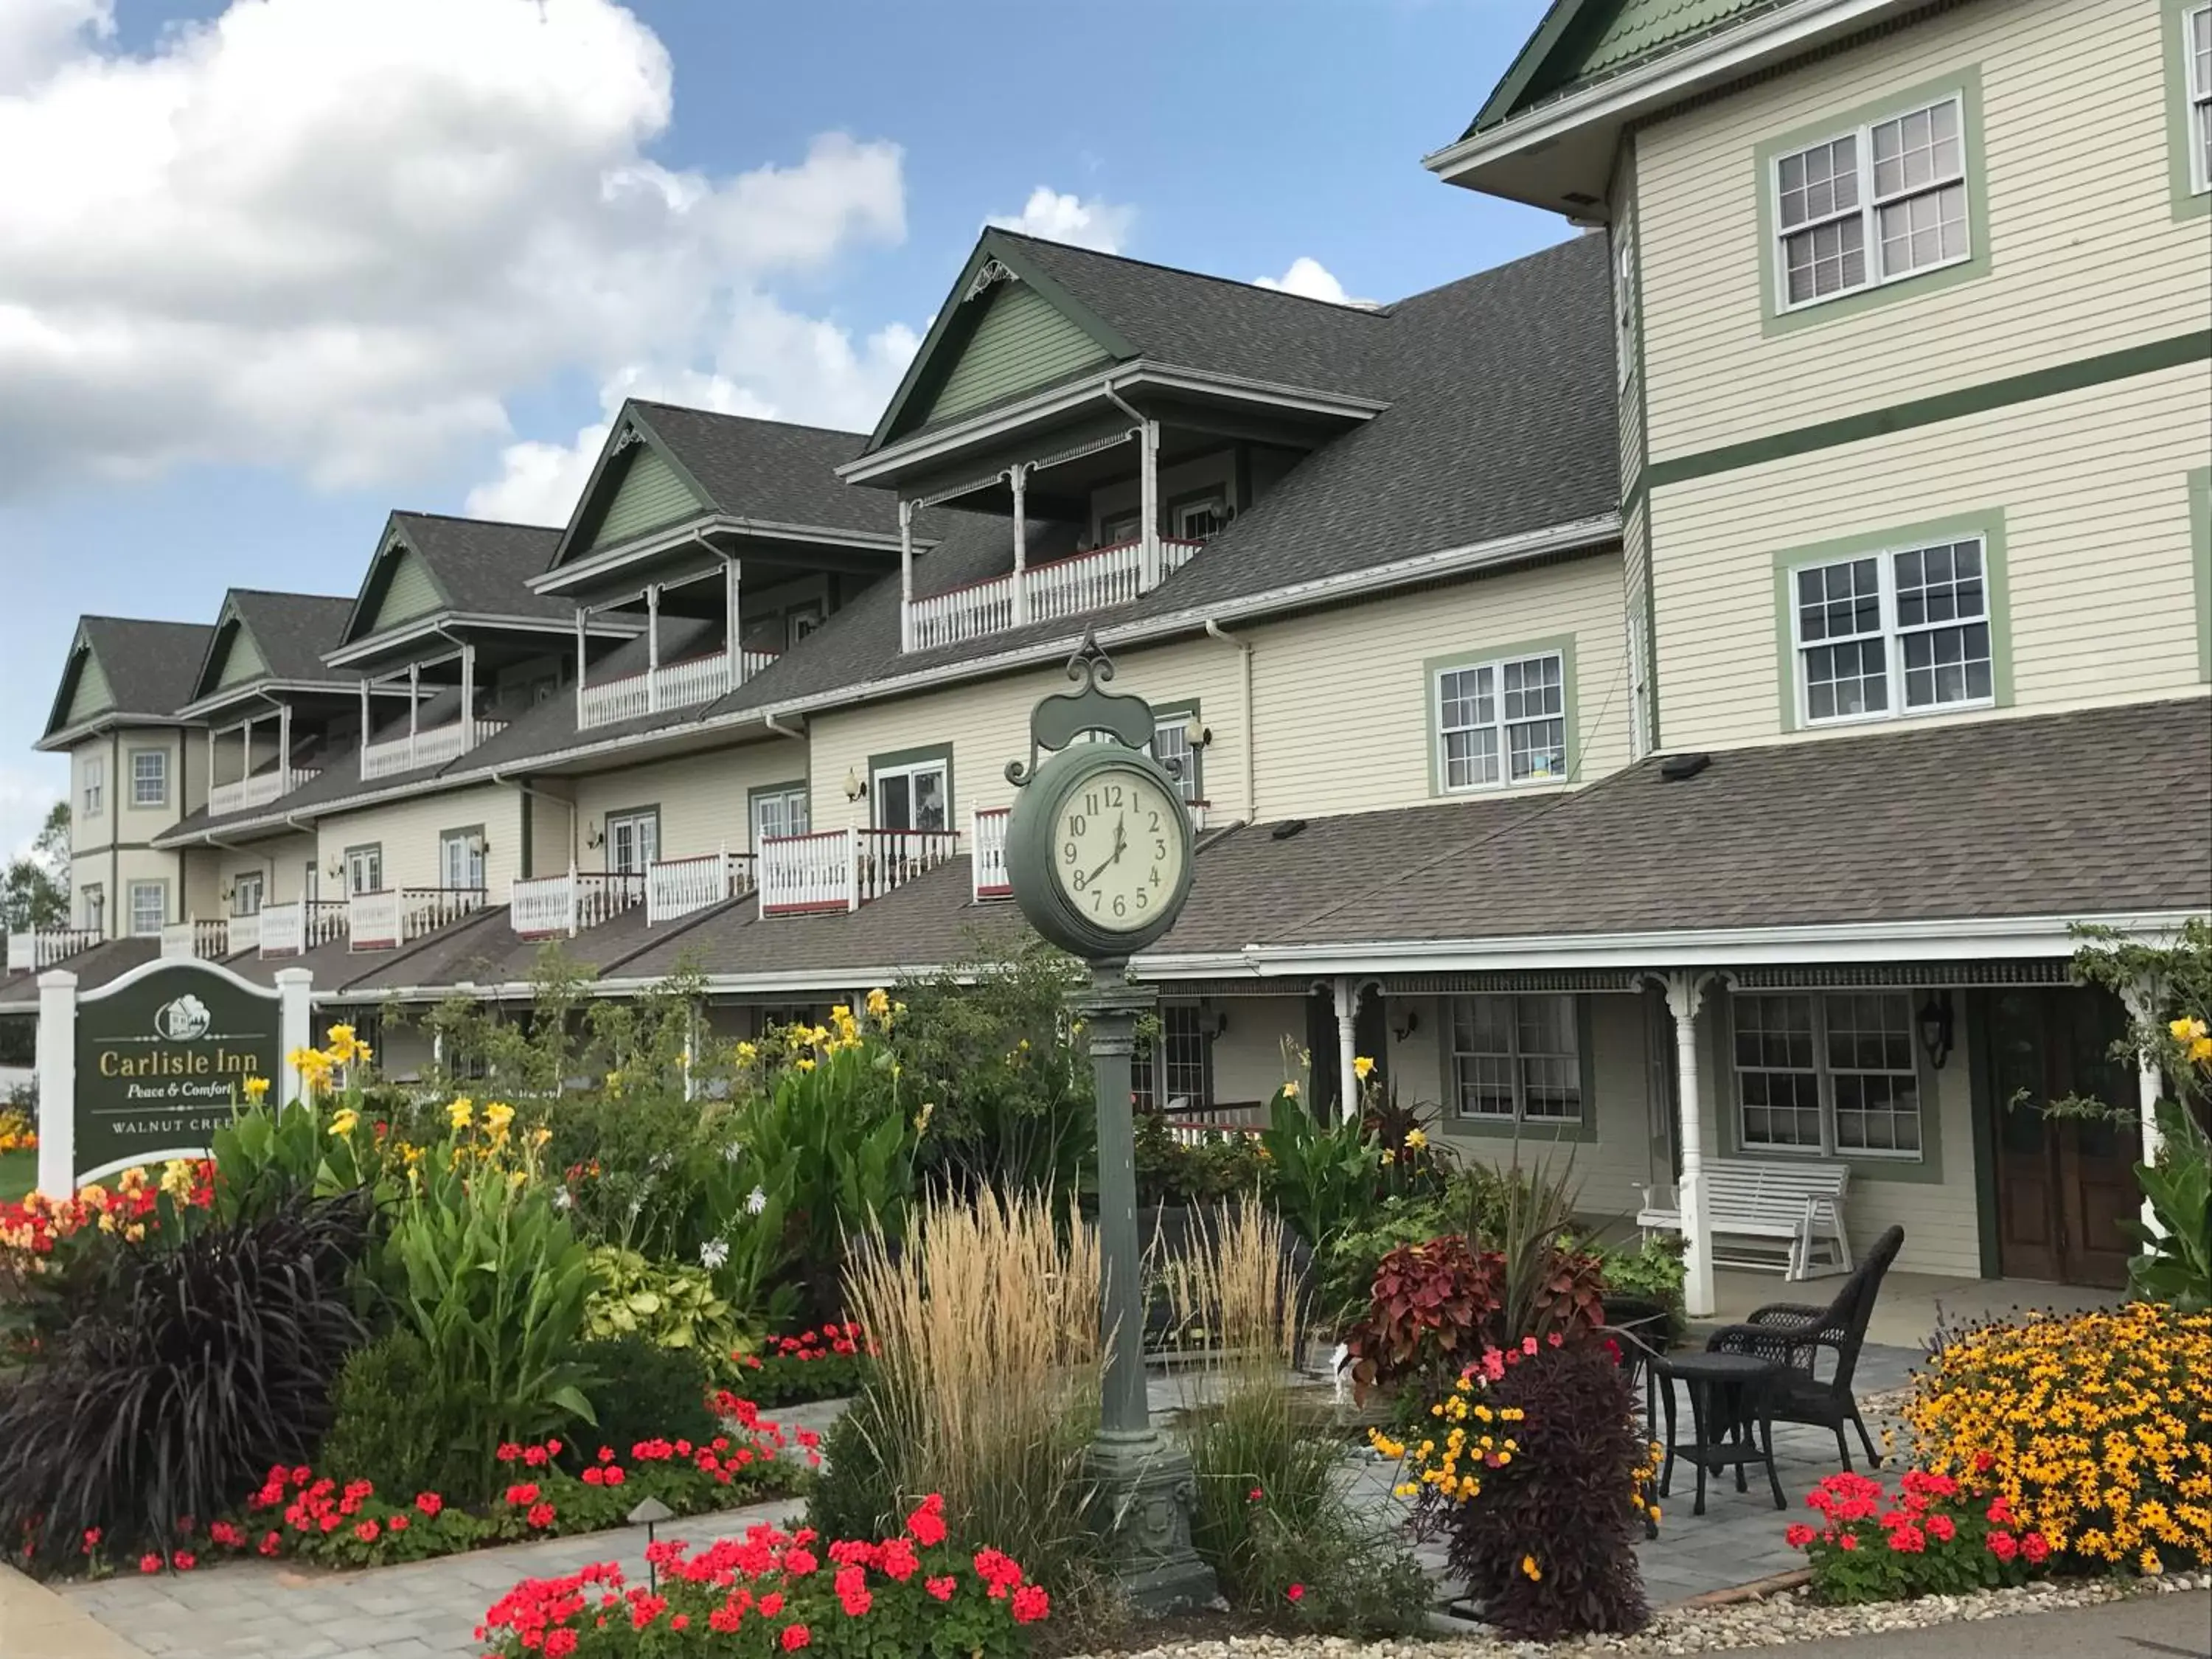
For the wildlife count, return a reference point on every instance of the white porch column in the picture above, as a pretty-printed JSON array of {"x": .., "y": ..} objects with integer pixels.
[
  {"x": 414, "y": 706},
  {"x": 211, "y": 763},
  {"x": 2142, "y": 1003},
  {"x": 1685, "y": 994},
  {"x": 245, "y": 755},
  {"x": 732, "y": 629},
  {"x": 284, "y": 748},
  {"x": 1347, "y": 995},
  {"x": 1148, "y": 496},
  {"x": 579, "y": 667},
  {"x": 906, "y": 575},
  {"x": 366, "y": 716},
  {"x": 1018, "y": 477},
  {"x": 653, "y": 647},
  {"x": 468, "y": 698}
]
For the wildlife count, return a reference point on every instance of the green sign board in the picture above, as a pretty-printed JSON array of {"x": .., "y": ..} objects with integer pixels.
[{"x": 162, "y": 1056}]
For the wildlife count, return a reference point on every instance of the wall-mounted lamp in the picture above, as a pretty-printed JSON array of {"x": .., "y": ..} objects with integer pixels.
[
  {"x": 856, "y": 787},
  {"x": 597, "y": 837},
  {"x": 1413, "y": 1023},
  {"x": 336, "y": 869},
  {"x": 1221, "y": 1022},
  {"x": 1936, "y": 1028},
  {"x": 1196, "y": 733}
]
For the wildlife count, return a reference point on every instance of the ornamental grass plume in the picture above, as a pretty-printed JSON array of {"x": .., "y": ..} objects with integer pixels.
[{"x": 988, "y": 1370}]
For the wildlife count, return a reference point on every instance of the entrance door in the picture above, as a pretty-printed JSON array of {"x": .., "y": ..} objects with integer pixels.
[{"x": 2063, "y": 1184}]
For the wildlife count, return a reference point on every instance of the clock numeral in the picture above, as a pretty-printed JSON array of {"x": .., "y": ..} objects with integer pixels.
[
  {"x": 1078, "y": 880},
  {"x": 1144, "y": 899},
  {"x": 1121, "y": 905},
  {"x": 1067, "y": 853},
  {"x": 1156, "y": 876},
  {"x": 1077, "y": 823},
  {"x": 1097, "y": 899},
  {"x": 1155, "y": 823},
  {"x": 1113, "y": 794},
  {"x": 1089, "y": 803},
  {"x": 1159, "y": 848}
]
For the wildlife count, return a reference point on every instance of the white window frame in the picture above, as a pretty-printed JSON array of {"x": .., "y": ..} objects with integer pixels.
[
  {"x": 461, "y": 852},
  {"x": 1169, "y": 722},
  {"x": 1177, "y": 1064},
  {"x": 1826, "y": 1074},
  {"x": 148, "y": 903},
  {"x": 1517, "y": 1059},
  {"x": 911, "y": 770},
  {"x": 364, "y": 868},
  {"x": 1499, "y": 725},
  {"x": 96, "y": 785},
  {"x": 641, "y": 827},
  {"x": 1624, "y": 304},
  {"x": 1867, "y": 207},
  {"x": 1133, "y": 518},
  {"x": 2197, "y": 83},
  {"x": 1891, "y": 633},
  {"x": 92, "y": 907},
  {"x": 1214, "y": 506},
  {"x": 140, "y": 800},
  {"x": 247, "y": 892},
  {"x": 791, "y": 806}
]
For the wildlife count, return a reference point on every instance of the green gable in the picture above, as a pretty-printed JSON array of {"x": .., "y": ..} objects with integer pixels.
[
  {"x": 1580, "y": 40},
  {"x": 91, "y": 695},
  {"x": 410, "y": 590},
  {"x": 649, "y": 495},
  {"x": 1022, "y": 341},
  {"x": 242, "y": 658}
]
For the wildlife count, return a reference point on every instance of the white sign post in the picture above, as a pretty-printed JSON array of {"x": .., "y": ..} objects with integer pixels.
[{"x": 56, "y": 1059}]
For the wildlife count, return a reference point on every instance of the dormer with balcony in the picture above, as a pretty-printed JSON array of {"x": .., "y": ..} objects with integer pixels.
[
  {"x": 448, "y": 642},
  {"x": 720, "y": 541},
  {"x": 275, "y": 713},
  {"x": 1116, "y": 417}
]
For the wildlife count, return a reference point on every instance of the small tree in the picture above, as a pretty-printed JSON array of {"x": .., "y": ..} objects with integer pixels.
[{"x": 35, "y": 888}]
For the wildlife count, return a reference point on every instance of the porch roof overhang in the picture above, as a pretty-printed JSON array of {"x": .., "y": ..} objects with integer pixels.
[
  {"x": 983, "y": 442},
  {"x": 69, "y": 737},
  {"x": 1559, "y": 153},
  {"x": 429, "y": 635},
  {"x": 233, "y": 698},
  {"x": 697, "y": 546}
]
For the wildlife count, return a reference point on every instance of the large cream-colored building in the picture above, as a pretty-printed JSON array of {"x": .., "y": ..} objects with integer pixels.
[{"x": 1673, "y": 696}]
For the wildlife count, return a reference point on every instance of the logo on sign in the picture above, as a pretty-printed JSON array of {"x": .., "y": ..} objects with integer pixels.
[{"x": 182, "y": 1020}]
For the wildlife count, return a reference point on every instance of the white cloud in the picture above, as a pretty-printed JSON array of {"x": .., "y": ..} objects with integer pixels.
[
  {"x": 1313, "y": 280},
  {"x": 335, "y": 235},
  {"x": 1064, "y": 216}
]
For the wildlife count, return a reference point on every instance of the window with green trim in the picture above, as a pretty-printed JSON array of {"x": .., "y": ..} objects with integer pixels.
[
  {"x": 2197, "y": 58},
  {"x": 1517, "y": 1060},
  {"x": 1502, "y": 722},
  {"x": 1832, "y": 1076},
  {"x": 1882, "y": 634},
  {"x": 149, "y": 907},
  {"x": 1874, "y": 204}
]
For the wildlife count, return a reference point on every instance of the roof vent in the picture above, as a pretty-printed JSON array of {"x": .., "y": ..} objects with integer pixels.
[
  {"x": 1286, "y": 829},
  {"x": 1675, "y": 768}
]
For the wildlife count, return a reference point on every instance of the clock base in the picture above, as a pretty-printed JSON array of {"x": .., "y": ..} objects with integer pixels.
[{"x": 1144, "y": 1491}]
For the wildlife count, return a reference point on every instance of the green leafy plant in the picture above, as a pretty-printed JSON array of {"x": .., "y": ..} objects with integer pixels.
[
  {"x": 389, "y": 1425},
  {"x": 1322, "y": 1177},
  {"x": 671, "y": 1305},
  {"x": 641, "y": 1390},
  {"x": 1932, "y": 1537}
]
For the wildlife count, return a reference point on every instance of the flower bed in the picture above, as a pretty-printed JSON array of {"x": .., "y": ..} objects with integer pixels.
[
  {"x": 829, "y": 1363},
  {"x": 1932, "y": 1538},
  {"x": 34, "y": 1230},
  {"x": 771, "y": 1593}
]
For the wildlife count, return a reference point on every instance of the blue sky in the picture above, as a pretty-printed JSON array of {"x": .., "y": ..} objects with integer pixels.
[{"x": 230, "y": 336}]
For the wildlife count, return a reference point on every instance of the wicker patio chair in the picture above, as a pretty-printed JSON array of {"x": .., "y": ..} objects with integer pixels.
[{"x": 1796, "y": 1334}]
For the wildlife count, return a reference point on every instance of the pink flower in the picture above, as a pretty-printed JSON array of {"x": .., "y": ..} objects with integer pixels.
[
  {"x": 796, "y": 1636},
  {"x": 149, "y": 1563},
  {"x": 2035, "y": 1547},
  {"x": 429, "y": 1503},
  {"x": 1528, "y": 1345},
  {"x": 1849, "y": 1540},
  {"x": 2003, "y": 1546},
  {"x": 942, "y": 1589},
  {"x": 1297, "y": 1592},
  {"x": 184, "y": 1560},
  {"x": 1798, "y": 1535},
  {"x": 1030, "y": 1604}
]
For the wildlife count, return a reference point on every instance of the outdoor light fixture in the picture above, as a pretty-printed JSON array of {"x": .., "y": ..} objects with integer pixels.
[
  {"x": 856, "y": 787},
  {"x": 650, "y": 1514},
  {"x": 1196, "y": 733},
  {"x": 1935, "y": 1030},
  {"x": 1413, "y": 1025},
  {"x": 597, "y": 837}
]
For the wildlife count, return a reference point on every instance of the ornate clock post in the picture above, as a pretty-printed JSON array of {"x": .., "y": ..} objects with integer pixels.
[{"x": 1099, "y": 851}]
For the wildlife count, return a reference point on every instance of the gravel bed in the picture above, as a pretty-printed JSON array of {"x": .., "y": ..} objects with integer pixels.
[{"x": 1767, "y": 1622}]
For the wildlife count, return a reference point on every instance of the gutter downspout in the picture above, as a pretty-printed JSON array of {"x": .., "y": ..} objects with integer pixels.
[
  {"x": 1215, "y": 631},
  {"x": 780, "y": 730}
]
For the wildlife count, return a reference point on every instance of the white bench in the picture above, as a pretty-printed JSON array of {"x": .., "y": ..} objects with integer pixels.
[{"x": 1801, "y": 1204}]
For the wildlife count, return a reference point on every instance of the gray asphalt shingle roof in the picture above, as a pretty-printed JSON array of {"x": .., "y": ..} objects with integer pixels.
[
  {"x": 771, "y": 469},
  {"x": 293, "y": 630},
  {"x": 150, "y": 666},
  {"x": 484, "y": 565}
]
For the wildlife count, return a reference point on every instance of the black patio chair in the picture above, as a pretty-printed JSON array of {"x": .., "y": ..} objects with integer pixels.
[{"x": 1794, "y": 1336}]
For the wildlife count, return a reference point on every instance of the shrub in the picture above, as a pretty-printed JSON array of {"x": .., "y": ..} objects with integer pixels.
[
  {"x": 191, "y": 1369},
  {"x": 2095, "y": 1429},
  {"x": 1345, "y": 1269},
  {"x": 644, "y": 1391},
  {"x": 389, "y": 1426},
  {"x": 769, "y": 1594},
  {"x": 1539, "y": 1476},
  {"x": 1935, "y": 1539},
  {"x": 1653, "y": 1269},
  {"x": 858, "y": 1495},
  {"x": 986, "y": 1326}
]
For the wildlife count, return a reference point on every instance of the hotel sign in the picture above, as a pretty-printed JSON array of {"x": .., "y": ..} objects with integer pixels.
[{"x": 162, "y": 1057}]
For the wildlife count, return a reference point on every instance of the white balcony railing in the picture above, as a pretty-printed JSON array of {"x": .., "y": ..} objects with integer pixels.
[
  {"x": 288, "y": 930},
  {"x": 672, "y": 685},
  {"x": 842, "y": 869},
  {"x": 197, "y": 940},
  {"x": 556, "y": 907},
  {"x": 35, "y": 951},
  {"x": 259, "y": 790},
  {"x": 434, "y": 747},
  {"x": 394, "y": 915},
  {"x": 1072, "y": 586},
  {"x": 678, "y": 887},
  {"x": 987, "y": 847}
]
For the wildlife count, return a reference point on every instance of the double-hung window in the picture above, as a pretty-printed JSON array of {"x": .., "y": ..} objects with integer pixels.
[
  {"x": 1830, "y": 1074},
  {"x": 1175, "y": 1068},
  {"x": 246, "y": 892},
  {"x": 92, "y": 907},
  {"x": 1517, "y": 1060},
  {"x": 633, "y": 840},
  {"x": 94, "y": 784},
  {"x": 1900, "y": 632},
  {"x": 911, "y": 797},
  {"x": 2196, "y": 81},
  {"x": 461, "y": 859},
  {"x": 149, "y": 907},
  {"x": 1171, "y": 748},
  {"x": 1194, "y": 521},
  {"x": 1882, "y": 202},
  {"x": 1502, "y": 722},
  {"x": 779, "y": 812},
  {"x": 149, "y": 777}
]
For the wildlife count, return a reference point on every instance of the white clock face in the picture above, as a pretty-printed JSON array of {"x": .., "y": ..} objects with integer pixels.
[{"x": 1117, "y": 848}]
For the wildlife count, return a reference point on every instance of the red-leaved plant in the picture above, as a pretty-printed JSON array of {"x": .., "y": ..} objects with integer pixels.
[{"x": 1437, "y": 1306}]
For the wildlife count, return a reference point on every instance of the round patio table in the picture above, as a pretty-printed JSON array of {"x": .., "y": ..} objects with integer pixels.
[{"x": 1731, "y": 1420}]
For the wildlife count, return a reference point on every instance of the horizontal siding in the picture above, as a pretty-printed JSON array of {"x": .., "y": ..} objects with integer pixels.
[
  {"x": 91, "y": 693},
  {"x": 652, "y": 494},
  {"x": 241, "y": 658},
  {"x": 1249, "y": 1062},
  {"x": 2086, "y": 256},
  {"x": 704, "y": 800},
  {"x": 2094, "y": 489},
  {"x": 410, "y": 593},
  {"x": 408, "y": 831},
  {"x": 283, "y": 863},
  {"x": 1024, "y": 341}
]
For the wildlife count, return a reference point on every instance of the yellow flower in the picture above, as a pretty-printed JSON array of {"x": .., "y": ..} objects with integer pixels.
[
  {"x": 922, "y": 1117},
  {"x": 461, "y": 1112},
  {"x": 177, "y": 1178},
  {"x": 805, "y": 1063},
  {"x": 1289, "y": 1091},
  {"x": 748, "y": 1051},
  {"x": 136, "y": 1231},
  {"x": 497, "y": 1115},
  {"x": 256, "y": 1087},
  {"x": 614, "y": 1083},
  {"x": 879, "y": 1004},
  {"x": 1389, "y": 1157},
  {"x": 540, "y": 1135},
  {"x": 1530, "y": 1571},
  {"x": 344, "y": 1123},
  {"x": 1416, "y": 1138},
  {"x": 1361, "y": 1066},
  {"x": 2186, "y": 1030}
]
